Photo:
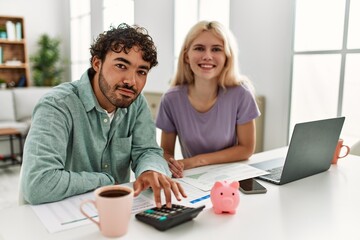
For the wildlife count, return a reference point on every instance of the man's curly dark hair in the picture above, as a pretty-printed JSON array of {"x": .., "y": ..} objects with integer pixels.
[{"x": 124, "y": 38}]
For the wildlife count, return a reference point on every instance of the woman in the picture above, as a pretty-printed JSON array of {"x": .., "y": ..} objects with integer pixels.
[{"x": 210, "y": 106}]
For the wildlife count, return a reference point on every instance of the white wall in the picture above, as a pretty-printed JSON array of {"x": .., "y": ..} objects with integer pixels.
[
  {"x": 41, "y": 16},
  {"x": 263, "y": 30},
  {"x": 157, "y": 17}
]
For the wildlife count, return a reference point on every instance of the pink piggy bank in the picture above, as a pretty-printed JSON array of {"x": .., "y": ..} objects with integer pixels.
[{"x": 225, "y": 197}]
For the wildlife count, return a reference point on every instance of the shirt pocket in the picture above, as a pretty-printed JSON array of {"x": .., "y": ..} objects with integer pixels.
[{"x": 120, "y": 150}]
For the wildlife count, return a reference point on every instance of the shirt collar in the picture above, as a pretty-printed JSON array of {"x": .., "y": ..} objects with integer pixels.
[{"x": 86, "y": 93}]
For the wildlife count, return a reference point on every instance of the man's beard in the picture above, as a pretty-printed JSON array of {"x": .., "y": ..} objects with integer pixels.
[{"x": 110, "y": 93}]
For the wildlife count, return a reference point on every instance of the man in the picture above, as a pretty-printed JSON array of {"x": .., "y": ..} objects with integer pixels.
[{"x": 88, "y": 133}]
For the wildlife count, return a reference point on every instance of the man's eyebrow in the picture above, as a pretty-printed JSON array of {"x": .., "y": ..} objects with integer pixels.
[
  {"x": 144, "y": 67},
  {"x": 121, "y": 59}
]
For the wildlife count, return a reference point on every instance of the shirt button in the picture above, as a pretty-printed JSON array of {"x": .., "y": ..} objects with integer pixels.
[
  {"x": 105, "y": 166},
  {"x": 105, "y": 120}
]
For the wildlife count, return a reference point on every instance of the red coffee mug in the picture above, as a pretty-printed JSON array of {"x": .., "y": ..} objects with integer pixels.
[{"x": 338, "y": 151}]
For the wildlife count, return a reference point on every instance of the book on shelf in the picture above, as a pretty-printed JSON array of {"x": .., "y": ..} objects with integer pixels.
[
  {"x": 14, "y": 30},
  {"x": 1, "y": 55},
  {"x": 10, "y": 30},
  {"x": 3, "y": 34},
  {"x": 18, "y": 31}
]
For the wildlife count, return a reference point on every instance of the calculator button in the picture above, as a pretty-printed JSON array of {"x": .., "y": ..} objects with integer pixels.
[{"x": 164, "y": 218}]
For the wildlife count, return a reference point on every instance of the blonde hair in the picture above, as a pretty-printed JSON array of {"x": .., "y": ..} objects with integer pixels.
[{"x": 230, "y": 75}]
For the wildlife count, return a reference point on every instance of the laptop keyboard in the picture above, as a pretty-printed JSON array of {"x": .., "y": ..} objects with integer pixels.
[{"x": 275, "y": 173}]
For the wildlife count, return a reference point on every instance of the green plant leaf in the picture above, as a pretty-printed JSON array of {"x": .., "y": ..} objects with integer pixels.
[{"x": 46, "y": 62}]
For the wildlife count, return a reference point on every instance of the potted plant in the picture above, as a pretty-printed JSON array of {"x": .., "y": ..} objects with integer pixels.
[{"x": 46, "y": 62}]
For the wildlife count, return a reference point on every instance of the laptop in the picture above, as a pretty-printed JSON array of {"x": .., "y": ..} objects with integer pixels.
[{"x": 310, "y": 152}]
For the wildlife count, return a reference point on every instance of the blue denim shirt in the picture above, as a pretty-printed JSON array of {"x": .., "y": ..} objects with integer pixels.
[{"x": 73, "y": 147}]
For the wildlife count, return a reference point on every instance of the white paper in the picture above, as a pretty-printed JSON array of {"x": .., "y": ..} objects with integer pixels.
[
  {"x": 65, "y": 214},
  {"x": 195, "y": 197},
  {"x": 205, "y": 177}
]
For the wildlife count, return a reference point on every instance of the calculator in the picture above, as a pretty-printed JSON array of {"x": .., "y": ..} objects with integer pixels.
[{"x": 164, "y": 218}]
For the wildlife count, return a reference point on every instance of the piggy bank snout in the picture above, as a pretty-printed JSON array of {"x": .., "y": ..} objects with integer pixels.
[{"x": 228, "y": 201}]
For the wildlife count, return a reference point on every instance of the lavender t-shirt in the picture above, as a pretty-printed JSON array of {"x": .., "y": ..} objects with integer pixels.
[{"x": 206, "y": 132}]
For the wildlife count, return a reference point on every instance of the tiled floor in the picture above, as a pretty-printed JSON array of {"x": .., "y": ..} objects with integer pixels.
[{"x": 9, "y": 181}]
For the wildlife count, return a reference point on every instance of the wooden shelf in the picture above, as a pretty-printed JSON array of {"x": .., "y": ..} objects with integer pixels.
[
  {"x": 21, "y": 66},
  {"x": 5, "y": 41},
  {"x": 13, "y": 49}
]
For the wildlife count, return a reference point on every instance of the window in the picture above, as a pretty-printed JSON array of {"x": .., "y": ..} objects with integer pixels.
[
  {"x": 326, "y": 60},
  {"x": 116, "y": 12},
  {"x": 80, "y": 37},
  {"x": 87, "y": 23},
  {"x": 352, "y": 96},
  {"x": 354, "y": 25}
]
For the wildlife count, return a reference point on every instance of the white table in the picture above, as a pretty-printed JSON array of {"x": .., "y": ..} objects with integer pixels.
[{"x": 323, "y": 206}]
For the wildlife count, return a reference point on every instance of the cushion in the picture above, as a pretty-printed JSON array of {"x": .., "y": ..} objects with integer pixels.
[
  {"x": 7, "y": 112},
  {"x": 26, "y": 99}
]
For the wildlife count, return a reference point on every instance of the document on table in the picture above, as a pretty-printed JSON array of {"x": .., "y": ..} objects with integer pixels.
[
  {"x": 65, "y": 214},
  {"x": 205, "y": 177}
]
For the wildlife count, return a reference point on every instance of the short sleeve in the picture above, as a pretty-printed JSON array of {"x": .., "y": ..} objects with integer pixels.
[
  {"x": 247, "y": 108},
  {"x": 165, "y": 119}
]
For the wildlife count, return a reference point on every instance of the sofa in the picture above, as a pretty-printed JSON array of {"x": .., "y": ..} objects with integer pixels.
[{"x": 16, "y": 106}]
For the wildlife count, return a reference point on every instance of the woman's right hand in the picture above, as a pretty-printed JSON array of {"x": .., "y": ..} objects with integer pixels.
[{"x": 176, "y": 167}]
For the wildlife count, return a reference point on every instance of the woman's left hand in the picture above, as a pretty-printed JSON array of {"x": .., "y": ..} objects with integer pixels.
[{"x": 176, "y": 167}]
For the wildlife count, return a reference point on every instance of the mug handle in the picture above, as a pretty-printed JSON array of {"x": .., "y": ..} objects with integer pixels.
[
  {"x": 347, "y": 151},
  {"x": 85, "y": 214}
]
